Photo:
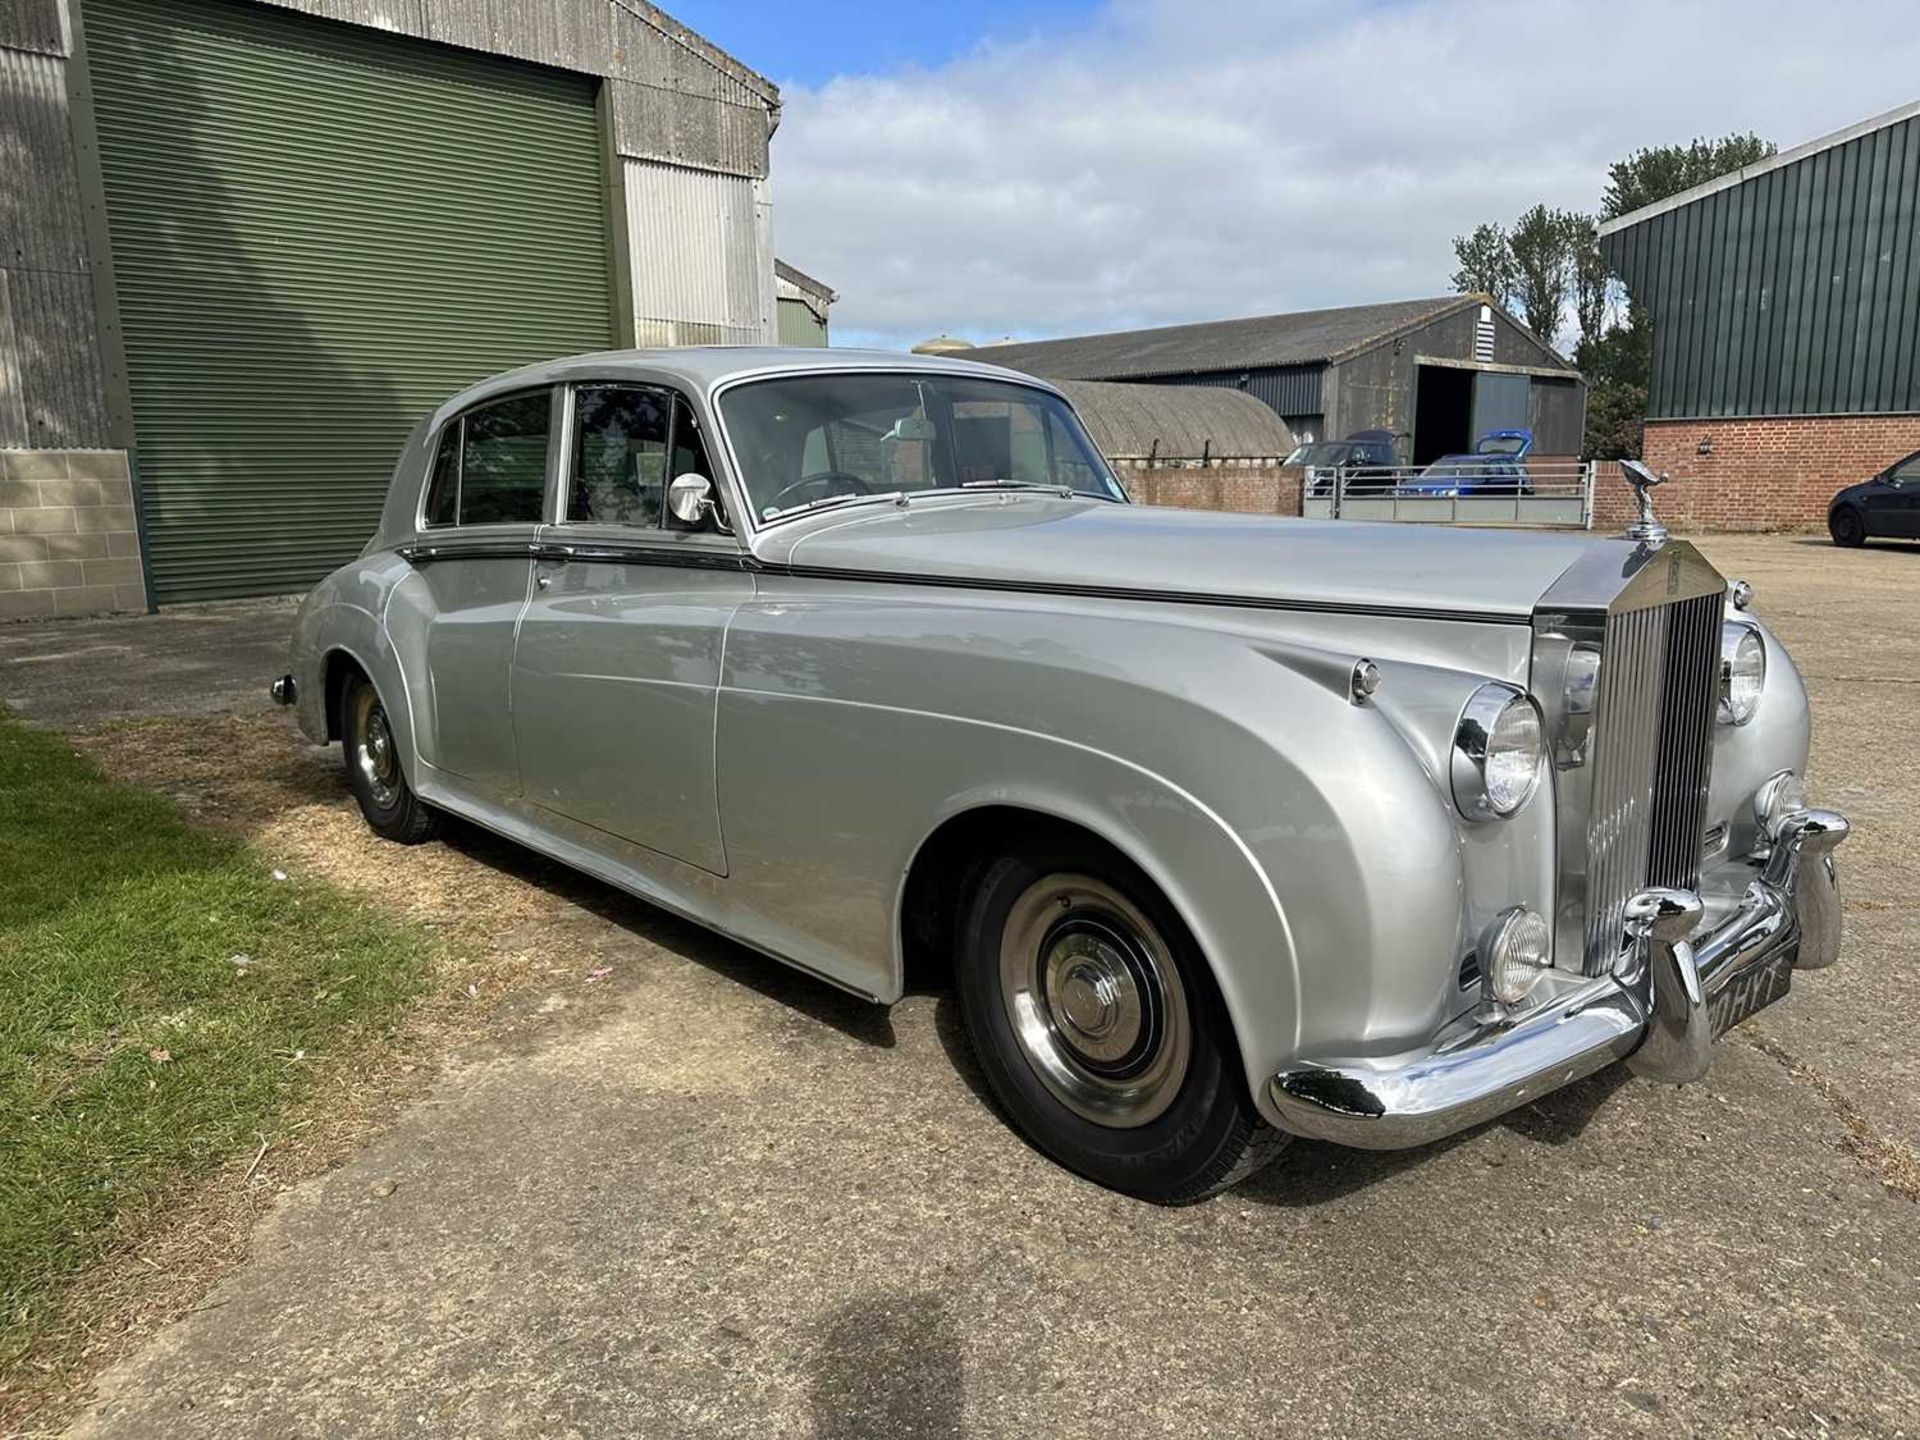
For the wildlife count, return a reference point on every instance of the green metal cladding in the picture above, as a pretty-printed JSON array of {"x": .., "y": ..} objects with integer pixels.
[
  {"x": 319, "y": 233},
  {"x": 1794, "y": 292}
]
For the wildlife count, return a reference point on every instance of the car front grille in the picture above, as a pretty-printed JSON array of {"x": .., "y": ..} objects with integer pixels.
[{"x": 1652, "y": 758}]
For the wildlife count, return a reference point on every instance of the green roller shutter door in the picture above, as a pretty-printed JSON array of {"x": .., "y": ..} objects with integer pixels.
[{"x": 319, "y": 233}]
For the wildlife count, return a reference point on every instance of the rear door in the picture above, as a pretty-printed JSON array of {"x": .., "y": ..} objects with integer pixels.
[
  {"x": 616, "y": 670},
  {"x": 480, "y": 520}
]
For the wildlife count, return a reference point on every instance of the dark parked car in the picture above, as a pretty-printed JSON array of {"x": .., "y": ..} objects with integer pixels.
[
  {"x": 1366, "y": 456},
  {"x": 1888, "y": 504}
]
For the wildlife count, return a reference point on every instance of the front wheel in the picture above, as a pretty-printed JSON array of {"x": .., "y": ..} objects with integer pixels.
[
  {"x": 1100, "y": 1030},
  {"x": 373, "y": 768},
  {"x": 1846, "y": 528}
]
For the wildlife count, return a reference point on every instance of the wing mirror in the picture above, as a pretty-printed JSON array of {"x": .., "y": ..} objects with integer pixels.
[{"x": 690, "y": 498}]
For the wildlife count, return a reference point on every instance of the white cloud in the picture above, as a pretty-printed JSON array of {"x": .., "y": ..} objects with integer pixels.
[{"x": 1191, "y": 159}]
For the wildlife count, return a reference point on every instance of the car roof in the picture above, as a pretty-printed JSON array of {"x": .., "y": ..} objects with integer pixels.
[{"x": 705, "y": 368}]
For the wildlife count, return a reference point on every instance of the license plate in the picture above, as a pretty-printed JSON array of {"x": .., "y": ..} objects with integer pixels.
[{"x": 1750, "y": 991}]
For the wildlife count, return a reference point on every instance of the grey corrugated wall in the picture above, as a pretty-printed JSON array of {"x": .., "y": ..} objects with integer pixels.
[
  {"x": 1795, "y": 292},
  {"x": 51, "y": 392},
  {"x": 1283, "y": 389}
]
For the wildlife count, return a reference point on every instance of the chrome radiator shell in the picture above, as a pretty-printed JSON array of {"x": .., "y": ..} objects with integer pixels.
[{"x": 1631, "y": 772}]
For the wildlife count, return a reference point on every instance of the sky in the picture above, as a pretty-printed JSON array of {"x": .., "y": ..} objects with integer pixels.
[{"x": 1056, "y": 168}]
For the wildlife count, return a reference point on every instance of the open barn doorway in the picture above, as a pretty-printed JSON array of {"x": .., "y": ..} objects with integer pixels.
[{"x": 1442, "y": 413}]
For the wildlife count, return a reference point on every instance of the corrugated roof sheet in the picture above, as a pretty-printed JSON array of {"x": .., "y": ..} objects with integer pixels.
[
  {"x": 1131, "y": 422},
  {"x": 800, "y": 280},
  {"x": 1301, "y": 338}
]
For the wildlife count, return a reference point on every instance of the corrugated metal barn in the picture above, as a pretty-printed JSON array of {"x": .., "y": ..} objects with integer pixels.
[
  {"x": 1438, "y": 373},
  {"x": 1785, "y": 303},
  {"x": 804, "y": 305},
  {"x": 252, "y": 241}
]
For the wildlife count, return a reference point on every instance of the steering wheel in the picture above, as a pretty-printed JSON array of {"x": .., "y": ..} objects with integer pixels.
[{"x": 824, "y": 483}]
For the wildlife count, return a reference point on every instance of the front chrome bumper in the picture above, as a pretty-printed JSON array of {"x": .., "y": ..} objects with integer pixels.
[{"x": 1657, "y": 1010}]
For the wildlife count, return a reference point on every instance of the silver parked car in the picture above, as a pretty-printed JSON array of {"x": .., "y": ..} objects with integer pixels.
[{"x": 1224, "y": 828}]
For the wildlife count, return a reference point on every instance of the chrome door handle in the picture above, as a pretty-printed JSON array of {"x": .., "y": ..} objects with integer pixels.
[{"x": 543, "y": 581}]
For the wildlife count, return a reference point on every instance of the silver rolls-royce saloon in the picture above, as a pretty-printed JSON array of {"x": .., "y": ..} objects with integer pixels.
[{"x": 1223, "y": 828}]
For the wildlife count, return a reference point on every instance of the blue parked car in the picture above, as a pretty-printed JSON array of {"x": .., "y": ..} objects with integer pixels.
[{"x": 1497, "y": 466}]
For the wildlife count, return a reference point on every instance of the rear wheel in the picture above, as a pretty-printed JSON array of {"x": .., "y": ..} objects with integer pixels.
[
  {"x": 1100, "y": 1030},
  {"x": 373, "y": 768},
  {"x": 1846, "y": 527}
]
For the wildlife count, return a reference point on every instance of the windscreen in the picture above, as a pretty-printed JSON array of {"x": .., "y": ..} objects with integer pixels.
[{"x": 805, "y": 439}]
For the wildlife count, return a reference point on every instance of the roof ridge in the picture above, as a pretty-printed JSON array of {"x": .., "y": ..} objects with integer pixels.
[
  {"x": 1436, "y": 301},
  {"x": 1806, "y": 149}
]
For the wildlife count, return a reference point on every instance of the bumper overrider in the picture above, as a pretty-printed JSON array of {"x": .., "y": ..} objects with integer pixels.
[{"x": 1679, "y": 984}]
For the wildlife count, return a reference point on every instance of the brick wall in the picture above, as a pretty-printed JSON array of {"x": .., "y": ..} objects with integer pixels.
[
  {"x": 1254, "y": 489},
  {"x": 1768, "y": 474},
  {"x": 67, "y": 540}
]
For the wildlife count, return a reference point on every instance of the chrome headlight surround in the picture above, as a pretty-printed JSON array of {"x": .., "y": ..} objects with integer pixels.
[
  {"x": 1781, "y": 799},
  {"x": 1499, "y": 750},
  {"x": 1743, "y": 671}
]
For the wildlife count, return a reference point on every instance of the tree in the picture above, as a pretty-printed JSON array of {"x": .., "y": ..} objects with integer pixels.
[
  {"x": 1543, "y": 268},
  {"x": 1486, "y": 264},
  {"x": 1550, "y": 255},
  {"x": 1592, "y": 279},
  {"x": 1649, "y": 176}
]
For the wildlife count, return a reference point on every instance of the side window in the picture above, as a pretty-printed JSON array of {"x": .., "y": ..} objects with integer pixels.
[
  {"x": 443, "y": 490},
  {"x": 690, "y": 455},
  {"x": 1907, "y": 472},
  {"x": 503, "y": 470},
  {"x": 619, "y": 455}
]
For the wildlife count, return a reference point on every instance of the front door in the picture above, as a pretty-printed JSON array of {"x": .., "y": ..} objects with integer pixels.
[
  {"x": 480, "y": 521},
  {"x": 616, "y": 672},
  {"x": 1901, "y": 489}
]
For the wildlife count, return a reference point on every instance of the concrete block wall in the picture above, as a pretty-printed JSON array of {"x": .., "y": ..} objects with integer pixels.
[
  {"x": 68, "y": 545},
  {"x": 1769, "y": 473}
]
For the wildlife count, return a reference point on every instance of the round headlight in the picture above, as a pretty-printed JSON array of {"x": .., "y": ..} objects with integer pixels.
[
  {"x": 1743, "y": 672},
  {"x": 1514, "y": 953},
  {"x": 1497, "y": 752}
]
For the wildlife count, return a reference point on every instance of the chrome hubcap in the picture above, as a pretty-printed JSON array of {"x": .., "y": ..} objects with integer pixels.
[
  {"x": 1094, "y": 1000},
  {"x": 374, "y": 753}
]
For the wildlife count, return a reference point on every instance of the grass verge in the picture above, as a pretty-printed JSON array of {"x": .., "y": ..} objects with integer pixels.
[{"x": 163, "y": 999}]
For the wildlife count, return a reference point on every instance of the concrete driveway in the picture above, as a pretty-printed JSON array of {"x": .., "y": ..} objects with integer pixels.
[
  {"x": 684, "y": 1191},
  {"x": 187, "y": 660}
]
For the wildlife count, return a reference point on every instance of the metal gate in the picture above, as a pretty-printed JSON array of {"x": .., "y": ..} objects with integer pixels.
[
  {"x": 1551, "y": 494},
  {"x": 319, "y": 232}
]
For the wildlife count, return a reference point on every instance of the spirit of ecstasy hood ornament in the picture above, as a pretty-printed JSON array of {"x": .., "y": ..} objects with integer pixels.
[{"x": 1646, "y": 528}]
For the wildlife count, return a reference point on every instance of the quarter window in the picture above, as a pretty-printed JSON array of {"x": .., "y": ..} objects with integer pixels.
[
  {"x": 443, "y": 493},
  {"x": 620, "y": 455}
]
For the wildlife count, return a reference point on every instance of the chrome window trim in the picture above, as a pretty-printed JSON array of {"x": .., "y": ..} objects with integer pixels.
[
  {"x": 420, "y": 525},
  {"x": 661, "y": 533}
]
